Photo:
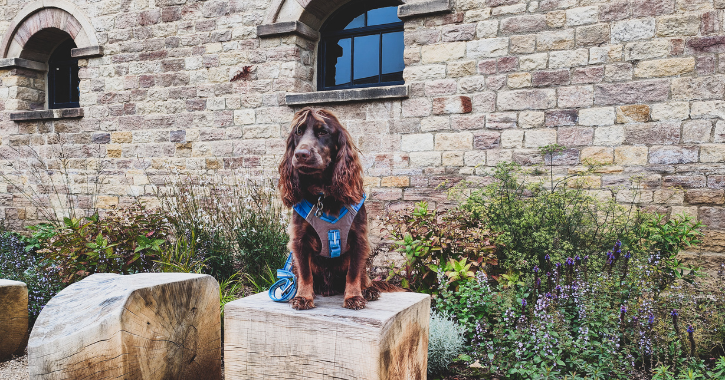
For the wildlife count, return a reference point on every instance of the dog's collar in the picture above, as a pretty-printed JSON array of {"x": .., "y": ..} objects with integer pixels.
[{"x": 304, "y": 207}]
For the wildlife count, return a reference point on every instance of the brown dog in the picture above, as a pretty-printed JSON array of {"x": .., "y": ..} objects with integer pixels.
[{"x": 321, "y": 164}]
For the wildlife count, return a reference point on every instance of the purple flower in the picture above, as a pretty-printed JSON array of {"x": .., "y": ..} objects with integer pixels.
[
  {"x": 523, "y": 302},
  {"x": 547, "y": 258},
  {"x": 623, "y": 309},
  {"x": 651, "y": 318},
  {"x": 536, "y": 269},
  {"x": 690, "y": 329},
  {"x": 674, "y": 313},
  {"x": 569, "y": 261}
]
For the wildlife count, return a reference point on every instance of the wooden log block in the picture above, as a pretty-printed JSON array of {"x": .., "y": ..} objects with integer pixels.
[
  {"x": 13, "y": 317},
  {"x": 388, "y": 340},
  {"x": 142, "y": 326}
]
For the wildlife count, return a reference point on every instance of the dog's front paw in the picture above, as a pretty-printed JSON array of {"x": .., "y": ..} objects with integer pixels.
[
  {"x": 371, "y": 294},
  {"x": 302, "y": 303},
  {"x": 355, "y": 303}
]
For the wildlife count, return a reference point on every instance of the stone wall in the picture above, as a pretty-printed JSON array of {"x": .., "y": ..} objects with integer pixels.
[{"x": 636, "y": 85}]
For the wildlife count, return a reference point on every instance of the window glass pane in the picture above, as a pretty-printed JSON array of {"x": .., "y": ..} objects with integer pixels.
[
  {"x": 337, "y": 62},
  {"x": 381, "y": 16},
  {"x": 62, "y": 84},
  {"x": 366, "y": 61},
  {"x": 358, "y": 22},
  {"x": 393, "y": 47},
  {"x": 74, "y": 91}
]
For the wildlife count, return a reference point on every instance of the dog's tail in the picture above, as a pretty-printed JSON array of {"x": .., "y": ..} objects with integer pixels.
[{"x": 386, "y": 287}]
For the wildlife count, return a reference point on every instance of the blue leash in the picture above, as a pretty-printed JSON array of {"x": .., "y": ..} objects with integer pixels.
[{"x": 286, "y": 286}]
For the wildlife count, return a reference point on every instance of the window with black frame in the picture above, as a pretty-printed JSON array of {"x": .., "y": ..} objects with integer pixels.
[
  {"x": 361, "y": 45},
  {"x": 63, "y": 77}
]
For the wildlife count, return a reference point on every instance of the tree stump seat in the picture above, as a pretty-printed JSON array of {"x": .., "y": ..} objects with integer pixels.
[
  {"x": 388, "y": 340},
  {"x": 13, "y": 317},
  {"x": 143, "y": 326}
]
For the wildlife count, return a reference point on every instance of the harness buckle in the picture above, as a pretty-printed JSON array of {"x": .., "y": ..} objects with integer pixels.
[{"x": 333, "y": 237}]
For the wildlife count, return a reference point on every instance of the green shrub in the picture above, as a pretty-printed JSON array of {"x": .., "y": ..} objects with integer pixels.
[
  {"x": 445, "y": 342},
  {"x": 450, "y": 242},
  {"x": 554, "y": 217},
  {"x": 124, "y": 241},
  {"x": 232, "y": 223},
  {"x": 20, "y": 264}
]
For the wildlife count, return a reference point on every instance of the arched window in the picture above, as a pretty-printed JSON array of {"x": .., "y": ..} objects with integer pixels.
[
  {"x": 361, "y": 45},
  {"x": 63, "y": 77}
]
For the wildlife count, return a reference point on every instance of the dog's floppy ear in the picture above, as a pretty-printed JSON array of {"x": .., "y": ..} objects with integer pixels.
[
  {"x": 347, "y": 176},
  {"x": 289, "y": 182}
]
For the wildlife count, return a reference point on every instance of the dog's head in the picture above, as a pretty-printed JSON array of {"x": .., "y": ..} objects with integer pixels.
[{"x": 320, "y": 152}]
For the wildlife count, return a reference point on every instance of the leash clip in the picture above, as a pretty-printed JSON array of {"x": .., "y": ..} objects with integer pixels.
[{"x": 320, "y": 206}]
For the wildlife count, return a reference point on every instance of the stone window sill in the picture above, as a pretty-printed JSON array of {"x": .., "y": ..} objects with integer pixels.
[
  {"x": 424, "y": 8},
  {"x": 63, "y": 113},
  {"x": 349, "y": 95}
]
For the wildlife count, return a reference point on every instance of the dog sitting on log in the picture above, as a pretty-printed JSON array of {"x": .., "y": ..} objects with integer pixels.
[{"x": 321, "y": 177}]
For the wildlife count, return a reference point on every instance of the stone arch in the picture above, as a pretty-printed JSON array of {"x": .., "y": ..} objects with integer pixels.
[
  {"x": 312, "y": 13},
  {"x": 43, "y": 24}
]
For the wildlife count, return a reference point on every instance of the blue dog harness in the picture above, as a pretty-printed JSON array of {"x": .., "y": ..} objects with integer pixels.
[{"x": 335, "y": 229}]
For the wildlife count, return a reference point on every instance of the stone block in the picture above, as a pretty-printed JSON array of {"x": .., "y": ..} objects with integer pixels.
[
  {"x": 638, "y": 113},
  {"x": 592, "y": 35},
  {"x": 576, "y": 97},
  {"x": 597, "y": 155},
  {"x": 712, "y": 153},
  {"x": 13, "y": 318},
  {"x": 555, "y": 40},
  {"x": 558, "y": 118},
  {"x": 698, "y": 131},
  {"x": 536, "y": 138},
  {"x": 549, "y": 78},
  {"x": 519, "y": 80},
  {"x": 633, "y": 30},
  {"x": 671, "y": 111},
  {"x": 698, "y": 88},
  {"x": 519, "y": 100},
  {"x": 422, "y": 8},
  {"x": 486, "y": 140},
  {"x": 608, "y": 136},
  {"x": 575, "y": 136},
  {"x": 653, "y": 133},
  {"x": 386, "y": 340},
  {"x": 449, "y": 51},
  {"x": 658, "y": 48},
  {"x": 142, "y": 326},
  {"x": 679, "y": 25},
  {"x": 672, "y": 155},
  {"x": 568, "y": 58},
  {"x": 487, "y": 48},
  {"x": 417, "y": 142},
  {"x": 664, "y": 67},
  {"x": 705, "y": 196},
  {"x": 647, "y": 91},
  {"x": 523, "y": 24},
  {"x": 531, "y": 119},
  {"x": 582, "y": 15},
  {"x": 454, "y": 141},
  {"x": 452, "y": 105},
  {"x": 596, "y": 116}
]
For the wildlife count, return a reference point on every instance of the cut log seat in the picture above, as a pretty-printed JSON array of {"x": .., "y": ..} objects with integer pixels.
[
  {"x": 143, "y": 326},
  {"x": 388, "y": 340},
  {"x": 13, "y": 317}
]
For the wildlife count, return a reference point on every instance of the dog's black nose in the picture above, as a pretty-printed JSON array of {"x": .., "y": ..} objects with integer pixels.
[{"x": 302, "y": 154}]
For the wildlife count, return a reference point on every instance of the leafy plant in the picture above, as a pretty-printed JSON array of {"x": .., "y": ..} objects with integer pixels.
[
  {"x": 124, "y": 241},
  {"x": 233, "y": 222},
  {"x": 558, "y": 218},
  {"x": 449, "y": 242},
  {"x": 21, "y": 264}
]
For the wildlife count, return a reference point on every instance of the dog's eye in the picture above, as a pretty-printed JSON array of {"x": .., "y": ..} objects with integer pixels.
[
  {"x": 299, "y": 131},
  {"x": 321, "y": 132}
]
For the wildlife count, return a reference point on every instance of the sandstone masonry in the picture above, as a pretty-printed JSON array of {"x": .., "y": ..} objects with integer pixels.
[{"x": 634, "y": 85}]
